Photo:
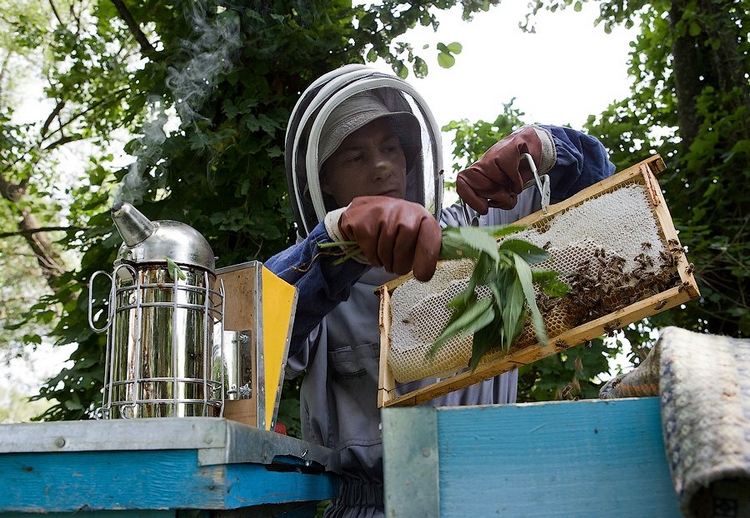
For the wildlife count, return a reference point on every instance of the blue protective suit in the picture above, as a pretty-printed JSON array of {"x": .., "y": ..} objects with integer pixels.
[{"x": 335, "y": 340}]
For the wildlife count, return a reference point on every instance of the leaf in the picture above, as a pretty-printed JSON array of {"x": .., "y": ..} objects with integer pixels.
[
  {"x": 474, "y": 317},
  {"x": 454, "y": 246},
  {"x": 455, "y": 47},
  {"x": 529, "y": 252},
  {"x": 524, "y": 275},
  {"x": 446, "y": 60},
  {"x": 548, "y": 282},
  {"x": 486, "y": 340},
  {"x": 480, "y": 239},
  {"x": 513, "y": 310},
  {"x": 499, "y": 231},
  {"x": 174, "y": 270}
]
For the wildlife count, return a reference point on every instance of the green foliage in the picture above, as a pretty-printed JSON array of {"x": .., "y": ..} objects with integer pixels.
[
  {"x": 572, "y": 374},
  {"x": 205, "y": 90},
  {"x": 690, "y": 103},
  {"x": 498, "y": 318}
]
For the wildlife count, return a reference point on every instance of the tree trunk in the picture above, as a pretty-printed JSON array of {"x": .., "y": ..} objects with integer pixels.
[
  {"x": 47, "y": 258},
  {"x": 687, "y": 74},
  {"x": 712, "y": 58}
]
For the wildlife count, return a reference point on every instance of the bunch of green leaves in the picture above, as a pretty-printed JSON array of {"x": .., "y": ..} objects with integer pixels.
[{"x": 505, "y": 268}]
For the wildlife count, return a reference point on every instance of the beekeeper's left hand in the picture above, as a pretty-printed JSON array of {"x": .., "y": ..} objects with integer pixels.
[{"x": 499, "y": 176}]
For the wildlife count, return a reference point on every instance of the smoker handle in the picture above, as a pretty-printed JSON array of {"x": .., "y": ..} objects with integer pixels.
[{"x": 91, "y": 300}]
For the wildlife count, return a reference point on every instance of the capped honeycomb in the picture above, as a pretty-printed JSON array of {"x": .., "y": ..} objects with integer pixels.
[{"x": 608, "y": 249}]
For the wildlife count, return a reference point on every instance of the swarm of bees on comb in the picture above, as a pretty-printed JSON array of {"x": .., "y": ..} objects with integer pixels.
[{"x": 608, "y": 249}]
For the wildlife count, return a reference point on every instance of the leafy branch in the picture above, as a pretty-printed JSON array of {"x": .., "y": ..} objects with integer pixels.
[
  {"x": 504, "y": 267},
  {"x": 495, "y": 319}
]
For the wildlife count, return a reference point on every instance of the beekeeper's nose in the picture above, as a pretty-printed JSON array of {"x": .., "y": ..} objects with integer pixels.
[{"x": 382, "y": 167}]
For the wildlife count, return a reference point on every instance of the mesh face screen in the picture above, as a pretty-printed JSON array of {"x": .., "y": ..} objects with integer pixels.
[{"x": 608, "y": 249}]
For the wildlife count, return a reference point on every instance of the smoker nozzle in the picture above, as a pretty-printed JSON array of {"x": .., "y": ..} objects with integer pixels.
[{"x": 132, "y": 225}]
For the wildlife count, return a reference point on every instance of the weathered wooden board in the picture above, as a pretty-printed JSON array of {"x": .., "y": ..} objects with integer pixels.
[
  {"x": 586, "y": 458},
  {"x": 157, "y": 464}
]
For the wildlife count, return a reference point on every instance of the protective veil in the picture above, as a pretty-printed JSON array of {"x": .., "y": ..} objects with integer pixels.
[{"x": 313, "y": 110}]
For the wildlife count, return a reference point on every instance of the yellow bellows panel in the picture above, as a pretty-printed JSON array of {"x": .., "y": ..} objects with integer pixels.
[{"x": 279, "y": 300}]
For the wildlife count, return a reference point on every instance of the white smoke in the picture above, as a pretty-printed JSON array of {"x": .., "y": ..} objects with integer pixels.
[
  {"x": 209, "y": 54},
  {"x": 147, "y": 150}
]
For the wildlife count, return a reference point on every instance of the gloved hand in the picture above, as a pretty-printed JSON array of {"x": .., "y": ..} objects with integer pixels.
[
  {"x": 396, "y": 234},
  {"x": 499, "y": 176}
]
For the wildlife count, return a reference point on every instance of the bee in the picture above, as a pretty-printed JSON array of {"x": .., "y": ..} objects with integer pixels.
[
  {"x": 617, "y": 263},
  {"x": 690, "y": 269},
  {"x": 610, "y": 328},
  {"x": 685, "y": 285},
  {"x": 660, "y": 305},
  {"x": 547, "y": 245},
  {"x": 667, "y": 259},
  {"x": 645, "y": 245}
]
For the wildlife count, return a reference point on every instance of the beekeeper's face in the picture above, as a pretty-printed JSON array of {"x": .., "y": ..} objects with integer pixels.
[{"x": 369, "y": 162}]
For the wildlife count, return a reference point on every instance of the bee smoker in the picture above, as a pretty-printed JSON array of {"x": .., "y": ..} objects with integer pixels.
[{"x": 164, "y": 310}]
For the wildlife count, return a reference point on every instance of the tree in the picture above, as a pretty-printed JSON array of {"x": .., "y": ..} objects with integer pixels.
[
  {"x": 226, "y": 76},
  {"x": 691, "y": 102}
]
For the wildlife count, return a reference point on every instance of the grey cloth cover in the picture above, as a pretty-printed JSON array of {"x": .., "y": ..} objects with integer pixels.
[{"x": 703, "y": 381}]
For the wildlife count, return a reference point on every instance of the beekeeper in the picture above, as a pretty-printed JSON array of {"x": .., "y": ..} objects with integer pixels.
[{"x": 363, "y": 162}]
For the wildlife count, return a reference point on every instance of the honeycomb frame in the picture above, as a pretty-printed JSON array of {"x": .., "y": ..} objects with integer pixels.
[{"x": 607, "y": 318}]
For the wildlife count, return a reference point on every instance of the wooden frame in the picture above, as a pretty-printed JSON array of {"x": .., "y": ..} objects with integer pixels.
[{"x": 643, "y": 172}]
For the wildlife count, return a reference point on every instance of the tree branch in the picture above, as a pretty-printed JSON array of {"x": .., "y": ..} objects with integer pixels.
[
  {"x": 46, "y": 256},
  {"x": 52, "y": 115},
  {"x": 60, "y": 142},
  {"x": 54, "y": 11},
  {"x": 146, "y": 47},
  {"x": 11, "y": 191},
  {"x": 29, "y": 231}
]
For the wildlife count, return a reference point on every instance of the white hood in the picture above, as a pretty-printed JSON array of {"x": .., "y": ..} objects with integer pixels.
[{"x": 424, "y": 177}]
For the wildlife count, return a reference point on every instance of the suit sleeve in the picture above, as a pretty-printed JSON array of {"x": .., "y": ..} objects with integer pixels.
[{"x": 321, "y": 284}]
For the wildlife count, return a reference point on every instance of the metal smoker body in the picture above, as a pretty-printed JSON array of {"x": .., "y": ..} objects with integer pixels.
[{"x": 165, "y": 308}]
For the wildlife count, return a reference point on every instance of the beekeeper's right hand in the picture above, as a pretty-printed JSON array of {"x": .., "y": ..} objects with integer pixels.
[{"x": 399, "y": 235}]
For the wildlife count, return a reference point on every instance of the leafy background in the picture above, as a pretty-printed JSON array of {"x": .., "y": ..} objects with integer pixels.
[{"x": 230, "y": 72}]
